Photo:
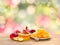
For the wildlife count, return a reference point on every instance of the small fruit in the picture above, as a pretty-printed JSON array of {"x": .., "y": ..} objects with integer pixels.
[
  {"x": 26, "y": 28},
  {"x": 32, "y": 31},
  {"x": 13, "y": 35},
  {"x": 25, "y": 32},
  {"x": 17, "y": 31}
]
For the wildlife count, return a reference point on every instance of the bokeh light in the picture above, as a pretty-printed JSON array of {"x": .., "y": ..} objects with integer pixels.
[
  {"x": 31, "y": 13},
  {"x": 43, "y": 21},
  {"x": 31, "y": 10}
]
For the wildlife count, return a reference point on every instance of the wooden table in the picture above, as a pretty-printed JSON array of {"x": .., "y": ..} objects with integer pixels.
[{"x": 55, "y": 40}]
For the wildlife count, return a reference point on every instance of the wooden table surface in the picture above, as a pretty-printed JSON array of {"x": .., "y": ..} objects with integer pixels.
[{"x": 55, "y": 40}]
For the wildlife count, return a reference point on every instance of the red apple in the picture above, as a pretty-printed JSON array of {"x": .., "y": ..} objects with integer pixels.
[
  {"x": 32, "y": 31},
  {"x": 13, "y": 35}
]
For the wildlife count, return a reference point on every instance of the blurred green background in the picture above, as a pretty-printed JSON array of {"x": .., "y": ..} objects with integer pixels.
[{"x": 32, "y": 13}]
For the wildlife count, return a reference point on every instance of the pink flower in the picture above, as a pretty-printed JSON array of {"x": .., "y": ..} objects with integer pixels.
[
  {"x": 43, "y": 21},
  {"x": 58, "y": 17},
  {"x": 17, "y": 27},
  {"x": 11, "y": 26},
  {"x": 2, "y": 29},
  {"x": 12, "y": 3},
  {"x": 9, "y": 2}
]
